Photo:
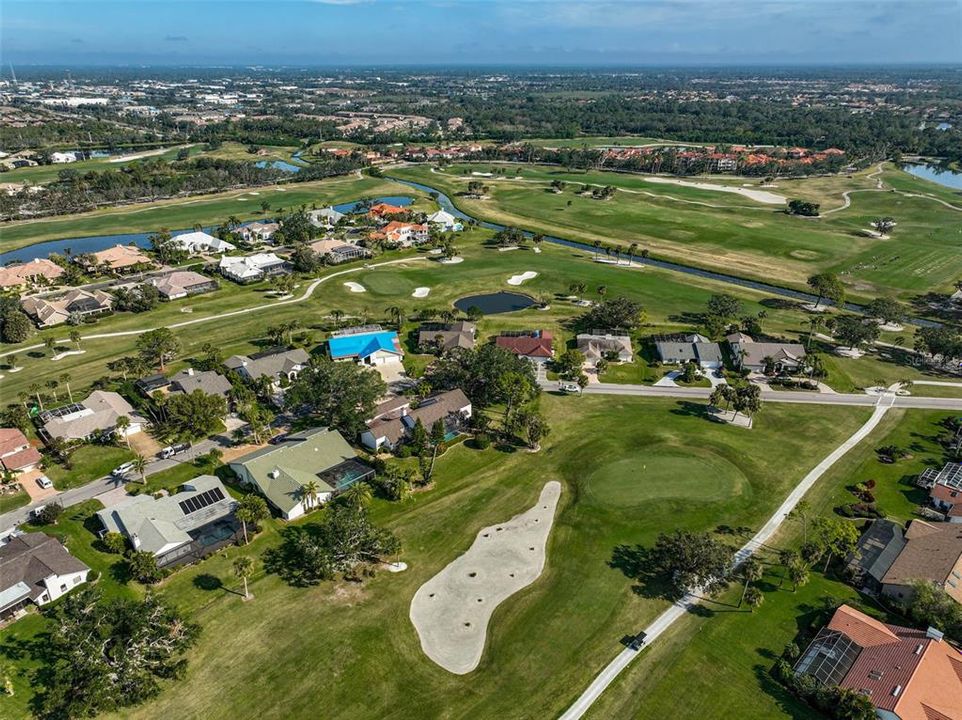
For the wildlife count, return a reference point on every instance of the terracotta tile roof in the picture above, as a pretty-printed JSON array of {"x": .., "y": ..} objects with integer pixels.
[
  {"x": 385, "y": 209},
  {"x": 22, "y": 459},
  {"x": 20, "y": 274},
  {"x": 121, "y": 256},
  {"x": 864, "y": 630},
  {"x": 11, "y": 439},
  {"x": 537, "y": 344}
]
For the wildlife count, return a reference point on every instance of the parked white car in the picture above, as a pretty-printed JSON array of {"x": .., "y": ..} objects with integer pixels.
[
  {"x": 44, "y": 482},
  {"x": 122, "y": 470}
]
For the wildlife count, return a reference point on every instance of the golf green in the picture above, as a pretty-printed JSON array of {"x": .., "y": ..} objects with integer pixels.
[{"x": 665, "y": 473}]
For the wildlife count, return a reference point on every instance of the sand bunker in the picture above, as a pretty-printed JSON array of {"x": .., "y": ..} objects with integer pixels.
[
  {"x": 451, "y": 610},
  {"x": 451, "y": 261},
  {"x": 518, "y": 279},
  {"x": 421, "y": 292},
  {"x": 757, "y": 195},
  {"x": 355, "y": 287}
]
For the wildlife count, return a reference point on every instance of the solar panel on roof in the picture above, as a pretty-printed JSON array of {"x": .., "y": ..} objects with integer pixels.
[{"x": 198, "y": 502}]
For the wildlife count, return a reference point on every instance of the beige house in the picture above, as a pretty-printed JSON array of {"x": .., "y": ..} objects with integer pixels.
[
  {"x": 121, "y": 258},
  {"x": 50, "y": 311},
  {"x": 36, "y": 272},
  {"x": 932, "y": 553}
]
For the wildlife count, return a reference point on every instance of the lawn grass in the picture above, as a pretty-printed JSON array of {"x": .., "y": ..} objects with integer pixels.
[
  {"x": 942, "y": 391},
  {"x": 204, "y": 209},
  {"x": 11, "y": 501},
  {"x": 721, "y": 657},
  {"x": 731, "y": 233},
  {"x": 172, "y": 478},
  {"x": 88, "y": 462},
  {"x": 567, "y": 621}
]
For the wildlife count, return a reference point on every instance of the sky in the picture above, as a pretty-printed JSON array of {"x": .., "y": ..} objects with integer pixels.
[{"x": 480, "y": 32}]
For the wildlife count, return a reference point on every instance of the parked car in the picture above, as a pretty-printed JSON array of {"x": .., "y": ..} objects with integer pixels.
[
  {"x": 37, "y": 510},
  {"x": 637, "y": 643},
  {"x": 569, "y": 387},
  {"x": 122, "y": 470},
  {"x": 44, "y": 482},
  {"x": 171, "y": 450}
]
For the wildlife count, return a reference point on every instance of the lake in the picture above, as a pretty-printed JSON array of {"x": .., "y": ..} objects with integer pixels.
[
  {"x": 95, "y": 243},
  {"x": 279, "y": 165},
  {"x": 495, "y": 303},
  {"x": 946, "y": 178}
]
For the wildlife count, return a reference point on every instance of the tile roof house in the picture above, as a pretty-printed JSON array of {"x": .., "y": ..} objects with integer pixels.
[
  {"x": 391, "y": 428},
  {"x": 366, "y": 346},
  {"x": 281, "y": 471},
  {"x": 16, "y": 452},
  {"x": 325, "y": 217},
  {"x": 273, "y": 363},
  {"x": 251, "y": 268},
  {"x": 535, "y": 345},
  {"x": 182, "y": 283},
  {"x": 337, "y": 251},
  {"x": 786, "y": 357},
  {"x": 179, "y": 528},
  {"x": 207, "y": 381},
  {"x": 461, "y": 334},
  {"x": 29, "y": 273},
  {"x": 120, "y": 258},
  {"x": 945, "y": 490},
  {"x": 406, "y": 233},
  {"x": 200, "y": 242},
  {"x": 595, "y": 345},
  {"x": 50, "y": 311},
  {"x": 932, "y": 552},
  {"x": 99, "y": 412},
  {"x": 907, "y": 674},
  {"x": 690, "y": 348},
  {"x": 36, "y": 568},
  {"x": 382, "y": 209},
  {"x": 259, "y": 231}
]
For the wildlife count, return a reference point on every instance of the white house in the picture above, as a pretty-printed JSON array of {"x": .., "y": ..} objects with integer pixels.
[
  {"x": 251, "y": 268},
  {"x": 325, "y": 217},
  {"x": 36, "y": 568},
  {"x": 446, "y": 220},
  {"x": 201, "y": 242},
  {"x": 63, "y": 157}
]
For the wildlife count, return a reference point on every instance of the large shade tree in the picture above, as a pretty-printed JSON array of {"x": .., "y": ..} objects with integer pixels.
[{"x": 338, "y": 395}]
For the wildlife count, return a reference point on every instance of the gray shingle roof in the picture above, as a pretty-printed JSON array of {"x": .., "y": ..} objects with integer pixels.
[{"x": 32, "y": 557}]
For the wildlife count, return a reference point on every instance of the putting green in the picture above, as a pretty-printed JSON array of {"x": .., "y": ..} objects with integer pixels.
[{"x": 661, "y": 473}]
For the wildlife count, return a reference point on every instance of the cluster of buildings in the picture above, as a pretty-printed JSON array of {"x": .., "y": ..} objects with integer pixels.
[{"x": 709, "y": 158}]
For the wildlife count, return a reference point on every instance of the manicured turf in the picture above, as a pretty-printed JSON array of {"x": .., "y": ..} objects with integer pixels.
[
  {"x": 88, "y": 463},
  {"x": 14, "y": 500},
  {"x": 559, "y": 630},
  {"x": 733, "y": 233},
  {"x": 203, "y": 209}
]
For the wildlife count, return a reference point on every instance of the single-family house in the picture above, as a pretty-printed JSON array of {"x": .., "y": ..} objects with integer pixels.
[
  {"x": 98, "y": 413},
  {"x": 16, "y": 452},
  {"x": 63, "y": 157},
  {"x": 182, "y": 283},
  {"x": 152, "y": 383},
  {"x": 381, "y": 210},
  {"x": 406, "y": 234},
  {"x": 600, "y": 344},
  {"x": 390, "y": 429},
  {"x": 535, "y": 345},
  {"x": 36, "y": 568},
  {"x": 945, "y": 490},
  {"x": 325, "y": 217},
  {"x": 180, "y": 528},
  {"x": 932, "y": 552},
  {"x": 258, "y": 232},
  {"x": 445, "y": 220},
  {"x": 757, "y": 356},
  {"x": 874, "y": 554},
  {"x": 447, "y": 336},
  {"x": 302, "y": 471},
  {"x": 50, "y": 311},
  {"x": 208, "y": 382},
  {"x": 251, "y": 268},
  {"x": 199, "y": 242},
  {"x": 956, "y": 297},
  {"x": 118, "y": 259},
  {"x": 369, "y": 345},
  {"x": 907, "y": 674},
  {"x": 39, "y": 271},
  {"x": 338, "y": 251},
  {"x": 274, "y": 363},
  {"x": 689, "y": 348}
]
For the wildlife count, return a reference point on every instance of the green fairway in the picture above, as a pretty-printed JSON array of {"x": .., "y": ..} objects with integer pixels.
[
  {"x": 657, "y": 473},
  {"x": 204, "y": 209},
  {"x": 726, "y": 231},
  {"x": 562, "y": 628}
]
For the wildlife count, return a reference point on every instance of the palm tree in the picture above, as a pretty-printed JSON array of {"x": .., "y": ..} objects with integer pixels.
[
  {"x": 123, "y": 422},
  {"x": 75, "y": 338},
  {"x": 251, "y": 509},
  {"x": 801, "y": 512},
  {"x": 244, "y": 568},
  {"x": 12, "y": 361},
  {"x": 602, "y": 290},
  {"x": 309, "y": 492},
  {"x": 35, "y": 391},
  {"x": 358, "y": 495},
  {"x": 754, "y": 598},
  {"x": 631, "y": 252},
  {"x": 139, "y": 466},
  {"x": 50, "y": 343},
  {"x": 395, "y": 314},
  {"x": 65, "y": 379},
  {"x": 752, "y": 572},
  {"x": 53, "y": 385},
  {"x": 336, "y": 316},
  {"x": 596, "y": 244},
  {"x": 814, "y": 324}
]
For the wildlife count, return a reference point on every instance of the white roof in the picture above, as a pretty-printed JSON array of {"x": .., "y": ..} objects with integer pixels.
[
  {"x": 201, "y": 241},
  {"x": 443, "y": 217},
  {"x": 249, "y": 265}
]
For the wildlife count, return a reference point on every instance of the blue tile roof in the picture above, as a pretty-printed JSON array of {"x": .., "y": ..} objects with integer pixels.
[{"x": 363, "y": 345}]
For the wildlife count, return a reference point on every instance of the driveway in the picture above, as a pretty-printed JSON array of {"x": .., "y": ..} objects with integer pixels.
[{"x": 28, "y": 481}]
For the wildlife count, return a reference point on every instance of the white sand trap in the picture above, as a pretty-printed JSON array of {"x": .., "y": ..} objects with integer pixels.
[
  {"x": 451, "y": 610},
  {"x": 451, "y": 261},
  {"x": 280, "y": 189},
  {"x": 508, "y": 248},
  {"x": 242, "y": 199},
  {"x": 421, "y": 292},
  {"x": 756, "y": 195},
  {"x": 253, "y": 193},
  {"x": 537, "y": 250},
  {"x": 849, "y": 352},
  {"x": 67, "y": 353},
  {"x": 355, "y": 287},
  {"x": 518, "y": 279}
]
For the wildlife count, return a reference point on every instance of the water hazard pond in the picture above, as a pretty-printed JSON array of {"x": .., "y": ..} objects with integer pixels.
[{"x": 495, "y": 303}]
